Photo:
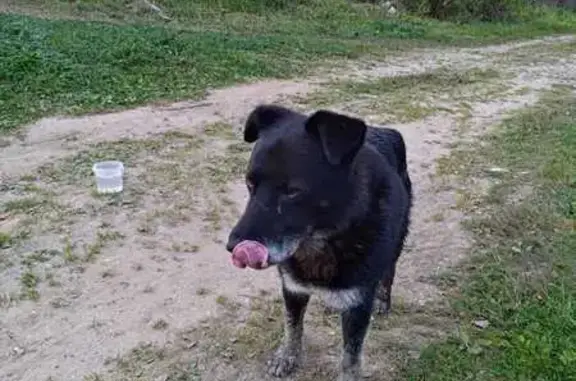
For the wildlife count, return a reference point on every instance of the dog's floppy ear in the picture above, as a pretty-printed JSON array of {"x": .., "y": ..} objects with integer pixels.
[
  {"x": 262, "y": 117},
  {"x": 341, "y": 136}
]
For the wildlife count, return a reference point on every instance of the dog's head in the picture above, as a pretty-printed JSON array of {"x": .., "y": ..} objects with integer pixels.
[{"x": 298, "y": 176}]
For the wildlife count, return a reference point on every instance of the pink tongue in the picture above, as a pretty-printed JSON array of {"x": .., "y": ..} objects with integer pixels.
[{"x": 250, "y": 253}]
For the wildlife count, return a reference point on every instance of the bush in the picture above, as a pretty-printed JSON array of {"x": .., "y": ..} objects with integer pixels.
[
  {"x": 254, "y": 6},
  {"x": 470, "y": 10}
]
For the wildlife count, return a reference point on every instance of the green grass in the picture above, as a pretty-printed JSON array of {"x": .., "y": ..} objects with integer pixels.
[
  {"x": 29, "y": 206},
  {"x": 5, "y": 240},
  {"x": 29, "y": 282},
  {"x": 311, "y": 18},
  {"x": 50, "y": 67},
  {"x": 521, "y": 277},
  {"x": 131, "y": 56}
]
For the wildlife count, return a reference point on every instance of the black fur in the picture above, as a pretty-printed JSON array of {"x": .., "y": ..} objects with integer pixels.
[{"x": 330, "y": 197}]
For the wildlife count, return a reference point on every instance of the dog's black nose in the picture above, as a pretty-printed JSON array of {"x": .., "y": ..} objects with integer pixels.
[
  {"x": 230, "y": 245},
  {"x": 233, "y": 240}
]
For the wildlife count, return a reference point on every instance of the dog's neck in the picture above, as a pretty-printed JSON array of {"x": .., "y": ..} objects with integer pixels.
[{"x": 323, "y": 255}]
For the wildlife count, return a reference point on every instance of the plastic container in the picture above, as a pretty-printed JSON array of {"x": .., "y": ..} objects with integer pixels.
[{"x": 109, "y": 176}]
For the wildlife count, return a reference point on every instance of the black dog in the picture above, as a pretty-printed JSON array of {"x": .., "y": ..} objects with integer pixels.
[{"x": 330, "y": 198}]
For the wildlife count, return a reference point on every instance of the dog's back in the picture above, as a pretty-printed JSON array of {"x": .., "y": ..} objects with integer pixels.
[{"x": 390, "y": 143}]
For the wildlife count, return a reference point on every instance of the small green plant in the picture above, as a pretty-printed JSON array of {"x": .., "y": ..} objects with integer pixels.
[
  {"x": 69, "y": 255},
  {"x": 5, "y": 240},
  {"x": 29, "y": 282},
  {"x": 102, "y": 239}
]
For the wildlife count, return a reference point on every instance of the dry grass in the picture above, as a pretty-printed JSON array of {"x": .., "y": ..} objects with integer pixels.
[
  {"x": 411, "y": 97},
  {"x": 240, "y": 341}
]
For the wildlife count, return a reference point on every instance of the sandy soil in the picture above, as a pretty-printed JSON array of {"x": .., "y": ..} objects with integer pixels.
[{"x": 139, "y": 287}]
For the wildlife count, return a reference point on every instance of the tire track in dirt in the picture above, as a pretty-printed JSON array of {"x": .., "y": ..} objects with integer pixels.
[{"x": 154, "y": 293}]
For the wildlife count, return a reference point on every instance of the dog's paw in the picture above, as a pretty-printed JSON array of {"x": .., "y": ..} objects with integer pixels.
[
  {"x": 381, "y": 307},
  {"x": 283, "y": 362}
]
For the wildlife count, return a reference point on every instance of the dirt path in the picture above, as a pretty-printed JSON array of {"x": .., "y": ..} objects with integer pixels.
[{"x": 139, "y": 287}]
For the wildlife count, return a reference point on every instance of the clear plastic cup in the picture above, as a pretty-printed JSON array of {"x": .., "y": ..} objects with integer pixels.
[{"x": 109, "y": 176}]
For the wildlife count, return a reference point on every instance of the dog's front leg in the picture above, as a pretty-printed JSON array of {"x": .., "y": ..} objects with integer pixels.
[
  {"x": 355, "y": 323},
  {"x": 383, "y": 302},
  {"x": 288, "y": 355}
]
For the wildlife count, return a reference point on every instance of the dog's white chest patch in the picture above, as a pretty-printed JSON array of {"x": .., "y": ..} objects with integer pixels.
[{"x": 336, "y": 299}]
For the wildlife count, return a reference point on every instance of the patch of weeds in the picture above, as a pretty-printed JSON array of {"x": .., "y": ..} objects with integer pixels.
[
  {"x": 569, "y": 47},
  {"x": 34, "y": 214},
  {"x": 28, "y": 178},
  {"x": 68, "y": 253},
  {"x": 239, "y": 148},
  {"x": 5, "y": 240},
  {"x": 408, "y": 97},
  {"x": 59, "y": 303},
  {"x": 180, "y": 213},
  {"x": 164, "y": 148},
  {"x": 92, "y": 377},
  {"x": 29, "y": 206},
  {"x": 221, "y": 169},
  {"x": 139, "y": 357},
  {"x": 531, "y": 55},
  {"x": 160, "y": 325},
  {"x": 173, "y": 215},
  {"x": 458, "y": 163},
  {"x": 150, "y": 362},
  {"x": 183, "y": 372},
  {"x": 40, "y": 256},
  {"x": 213, "y": 219},
  {"x": 262, "y": 331},
  {"x": 180, "y": 168},
  {"x": 29, "y": 281},
  {"x": 185, "y": 247},
  {"x": 220, "y": 130},
  {"x": 102, "y": 239},
  {"x": 127, "y": 199},
  {"x": 242, "y": 339},
  {"x": 228, "y": 304},
  {"x": 6, "y": 299},
  {"x": 77, "y": 169},
  {"x": 467, "y": 201},
  {"x": 519, "y": 281}
]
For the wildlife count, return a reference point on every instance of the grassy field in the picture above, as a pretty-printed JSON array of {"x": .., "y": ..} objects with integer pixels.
[
  {"x": 517, "y": 296},
  {"x": 88, "y": 56}
]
